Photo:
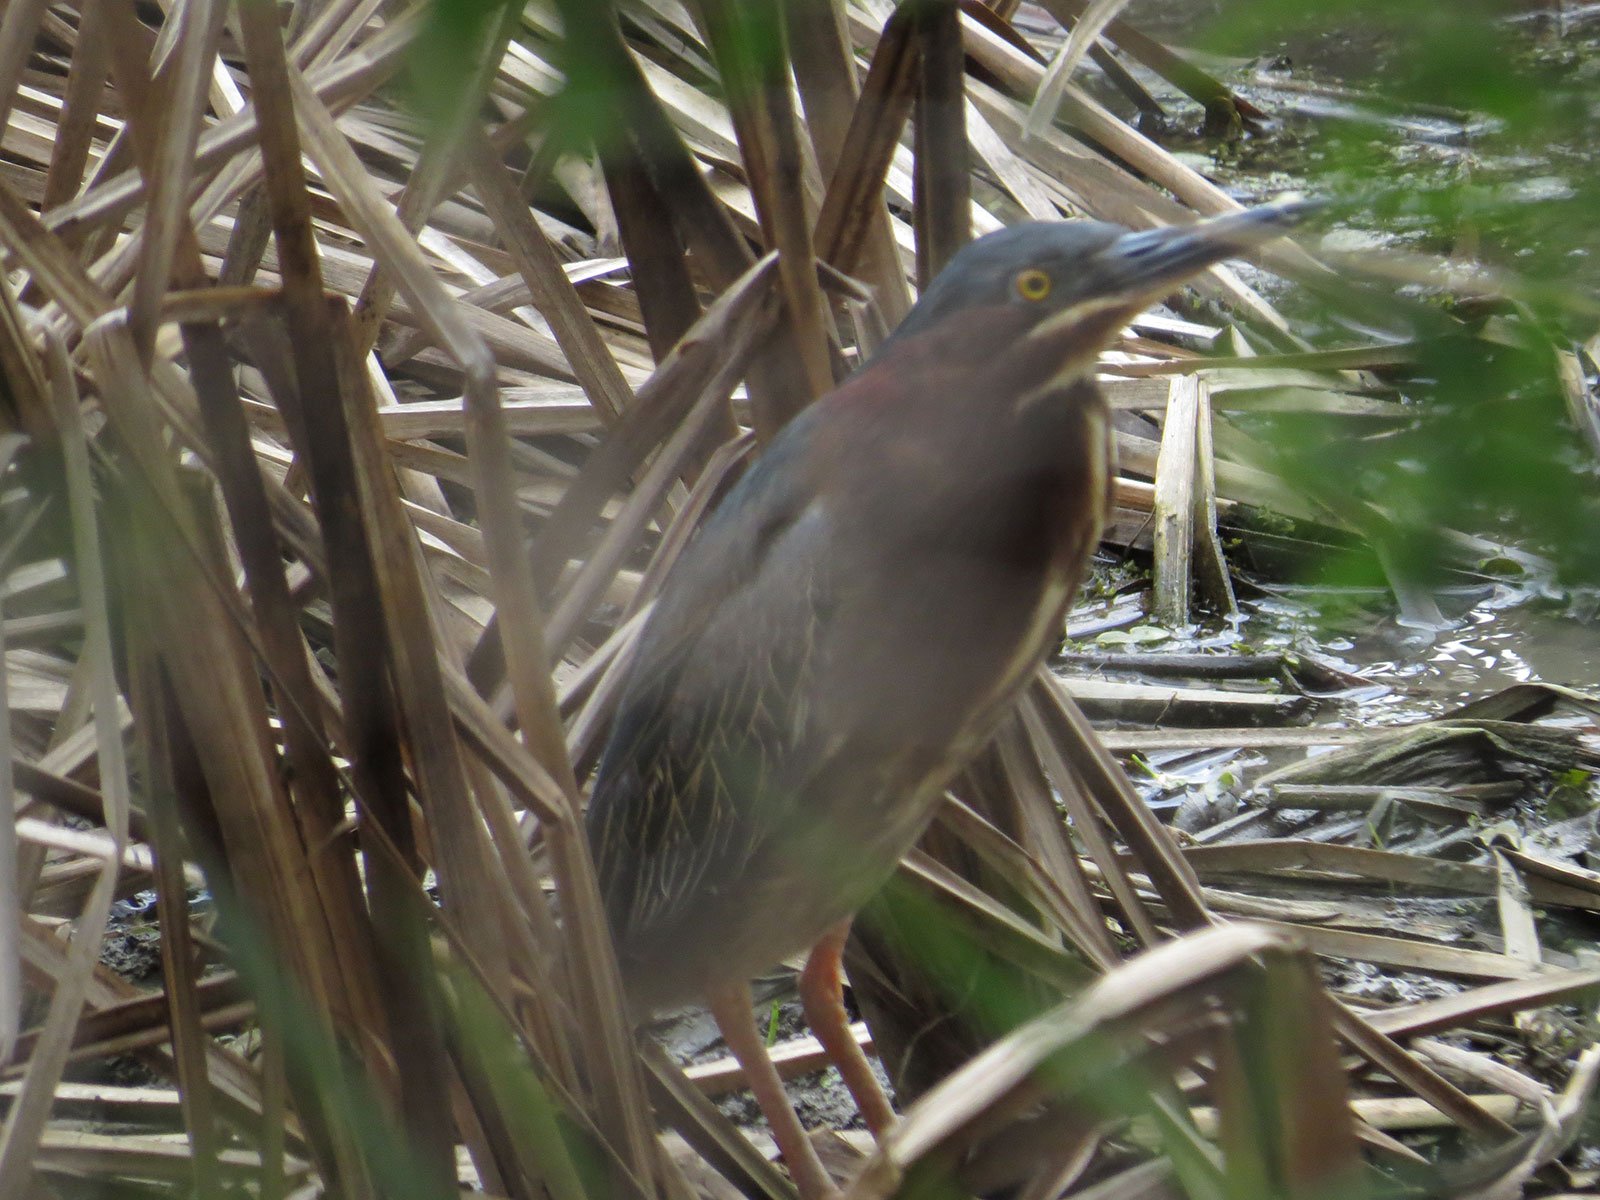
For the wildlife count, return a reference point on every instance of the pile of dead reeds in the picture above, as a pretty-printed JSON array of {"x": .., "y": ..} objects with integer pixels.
[{"x": 301, "y": 391}]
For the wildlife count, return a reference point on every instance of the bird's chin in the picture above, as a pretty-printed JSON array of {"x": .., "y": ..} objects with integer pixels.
[
  {"x": 1067, "y": 345},
  {"x": 1088, "y": 326}
]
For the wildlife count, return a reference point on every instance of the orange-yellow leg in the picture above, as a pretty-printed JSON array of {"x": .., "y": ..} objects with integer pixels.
[
  {"x": 732, "y": 1007},
  {"x": 822, "y": 996}
]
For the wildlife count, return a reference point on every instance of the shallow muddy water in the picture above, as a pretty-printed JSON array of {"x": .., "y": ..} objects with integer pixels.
[{"x": 1324, "y": 84}]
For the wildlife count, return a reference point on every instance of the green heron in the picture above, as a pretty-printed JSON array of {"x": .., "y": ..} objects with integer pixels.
[{"x": 853, "y": 621}]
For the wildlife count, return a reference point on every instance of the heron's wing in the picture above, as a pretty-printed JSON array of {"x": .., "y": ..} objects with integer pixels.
[{"x": 700, "y": 763}]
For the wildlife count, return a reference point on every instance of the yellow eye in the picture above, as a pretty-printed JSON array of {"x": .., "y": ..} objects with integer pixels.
[{"x": 1032, "y": 284}]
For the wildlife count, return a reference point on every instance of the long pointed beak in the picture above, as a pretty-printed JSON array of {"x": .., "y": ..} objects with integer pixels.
[
  {"x": 1137, "y": 269},
  {"x": 1148, "y": 264}
]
